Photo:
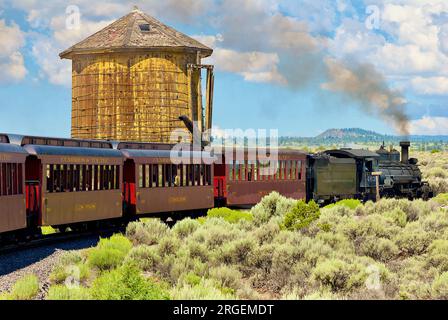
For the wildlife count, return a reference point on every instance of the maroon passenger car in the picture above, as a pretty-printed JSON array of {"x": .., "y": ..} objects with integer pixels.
[
  {"x": 12, "y": 186},
  {"x": 154, "y": 184},
  {"x": 245, "y": 183},
  {"x": 73, "y": 182}
]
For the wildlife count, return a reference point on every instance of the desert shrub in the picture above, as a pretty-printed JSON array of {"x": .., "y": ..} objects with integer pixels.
[
  {"x": 186, "y": 227},
  {"x": 349, "y": 203},
  {"x": 437, "y": 173},
  {"x": 145, "y": 257},
  {"x": 266, "y": 232},
  {"x": 61, "y": 272},
  {"x": 109, "y": 253},
  {"x": 338, "y": 275},
  {"x": 168, "y": 245},
  {"x": 205, "y": 290},
  {"x": 149, "y": 232},
  {"x": 62, "y": 292},
  {"x": 441, "y": 199},
  {"x": 226, "y": 277},
  {"x": 237, "y": 252},
  {"x": 231, "y": 216},
  {"x": 26, "y": 288},
  {"x": 321, "y": 295},
  {"x": 416, "y": 278},
  {"x": 313, "y": 250},
  {"x": 127, "y": 283},
  {"x": 261, "y": 258},
  {"x": 337, "y": 241},
  {"x": 272, "y": 205},
  {"x": 70, "y": 258},
  {"x": 372, "y": 225},
  {"x": 283, "y": 260},
  {"x": 438, "y": 254},
  {"x": 216, "y": 232},
  {"x": 440, "y": 287},
  {"x": 191, "y": 279},
  {"x": 397, "y": 217},
  {"x": 413, "y": 240},
  {"x": 380, "y": 249},
  {"x": 435, "y": 222},
  {"x": 301, "y": 215},
  {"x": 198, "y": 250},
  {"x": 438, "y": 185}
]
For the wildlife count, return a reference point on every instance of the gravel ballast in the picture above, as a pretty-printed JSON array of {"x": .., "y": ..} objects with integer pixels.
[{"x": 39, "y": 261}]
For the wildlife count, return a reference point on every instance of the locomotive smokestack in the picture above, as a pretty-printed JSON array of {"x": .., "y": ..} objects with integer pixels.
[{"x": 405, "y": 151}]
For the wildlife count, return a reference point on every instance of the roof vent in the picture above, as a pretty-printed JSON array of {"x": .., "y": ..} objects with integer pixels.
[{"x": 145, "y": 27}]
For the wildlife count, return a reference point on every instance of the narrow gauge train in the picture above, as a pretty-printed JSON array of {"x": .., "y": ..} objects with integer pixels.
[{"x": 85, "y": 184}]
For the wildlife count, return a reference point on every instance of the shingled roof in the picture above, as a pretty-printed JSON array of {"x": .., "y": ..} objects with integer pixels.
[{"x": 136, "y": 30}]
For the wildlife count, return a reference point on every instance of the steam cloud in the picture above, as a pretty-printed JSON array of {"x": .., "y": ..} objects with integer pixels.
[
  {"x": 249, "y": 25},
  {"x": 364, "y": 85}
]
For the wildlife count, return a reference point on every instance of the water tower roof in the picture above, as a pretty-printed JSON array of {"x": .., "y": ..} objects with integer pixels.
[{"x": 136, "y": 31}]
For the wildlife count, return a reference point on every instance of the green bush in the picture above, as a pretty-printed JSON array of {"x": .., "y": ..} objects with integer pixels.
[
  {"x": 226, "y": 277},
  {"x": 380, "y": 249},
  {"x": 109, "y": 253},
  {"x": 397, "y": 217},
  {"x": 231, "y": 216},
  {"x": 301, "y": 215},
  {"x": 338, "y": 275},
  {"x": 266, "y": 232},
  {"x": 127, "y": 283},
  {"x": 440, "y": 287},
  {"x": 237, "y": 252},
  {"x": 413, "y": 240},
  {"x": 272, "y": 205},
  {"x": 349, "y": 203},
  {"x": 61, "y": 292},
  {"x": 168, "y": 245},
  {"x": 442, "y": 199},
  {"x": 25, "y": 288},
  {"x": 145, "y": 257},
  {"x": 186, "y": 227},
  {"x": 148, "y": 232},
  {"x": 206, "y": 290},
  {"x": 62, "y": 271}
]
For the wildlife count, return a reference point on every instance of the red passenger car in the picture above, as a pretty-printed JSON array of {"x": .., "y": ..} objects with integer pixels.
[
  {"x": 12, "y": 186},
  {"x": 245, "y": 182},
  {"x": 72, "y": 181},
  {"x": 155, "y": 185}
]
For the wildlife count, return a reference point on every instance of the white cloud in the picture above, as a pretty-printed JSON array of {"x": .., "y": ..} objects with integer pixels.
[
  {"x": 431, "y": 86},
  {"x": 408, "y": 59},
  {"x": 443, "y": 39},
  {"x": 253, "y": 66},
  {"x": 430, "y": 126},
  {"x": 52, "y": 68},
  {"x": 11, "y": 60}
]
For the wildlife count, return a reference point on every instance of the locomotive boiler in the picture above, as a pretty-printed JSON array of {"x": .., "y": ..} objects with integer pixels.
[{"x": 401, "y": 177}]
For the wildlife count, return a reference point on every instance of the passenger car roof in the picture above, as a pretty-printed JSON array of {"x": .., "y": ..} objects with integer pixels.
[
  {"x": 166, "y": 154},
  {"x": 12, "y": 148},
  {"x": 72, "y": 151}
]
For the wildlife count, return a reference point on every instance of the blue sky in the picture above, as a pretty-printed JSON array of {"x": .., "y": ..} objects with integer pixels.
[{"x": 298, "y": 66}]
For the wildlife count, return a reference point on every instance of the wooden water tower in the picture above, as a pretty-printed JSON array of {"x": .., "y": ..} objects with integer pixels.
[{"x": 132, "y": 81}]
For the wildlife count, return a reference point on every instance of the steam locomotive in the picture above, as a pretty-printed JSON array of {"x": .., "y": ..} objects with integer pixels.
[{"x": 83, "y": 184}]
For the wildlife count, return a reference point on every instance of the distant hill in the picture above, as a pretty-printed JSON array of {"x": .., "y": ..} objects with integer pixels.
[
  {"x": 351, "y": 133},
  {"x": 357, "y": 136}
]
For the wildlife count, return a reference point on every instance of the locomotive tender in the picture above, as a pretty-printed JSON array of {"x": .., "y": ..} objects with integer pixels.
[{"x": 84, "y": 184}]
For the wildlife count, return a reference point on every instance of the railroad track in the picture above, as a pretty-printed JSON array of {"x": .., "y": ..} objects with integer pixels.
[{"x": 57, "y": 238}]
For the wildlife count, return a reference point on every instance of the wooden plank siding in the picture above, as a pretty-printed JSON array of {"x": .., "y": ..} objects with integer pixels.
[{"x": 134, "y": 96}]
